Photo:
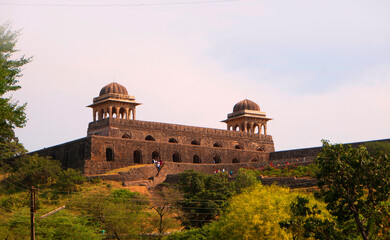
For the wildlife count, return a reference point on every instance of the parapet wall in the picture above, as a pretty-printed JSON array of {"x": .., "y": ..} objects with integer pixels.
[
  {"x": 71, "y": 154},
  {"x": 306, "y": 155}
]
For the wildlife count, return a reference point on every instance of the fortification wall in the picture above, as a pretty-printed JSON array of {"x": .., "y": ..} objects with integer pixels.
[
  {"x": 124, "y": 154},
  {"x": 71, "y": 154},
  {"x": 306, "y": 155},
  {"x": 163, "y": 132}
]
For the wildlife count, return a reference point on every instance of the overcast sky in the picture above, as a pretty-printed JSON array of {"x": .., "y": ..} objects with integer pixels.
[{"x": 320, "y": 69}]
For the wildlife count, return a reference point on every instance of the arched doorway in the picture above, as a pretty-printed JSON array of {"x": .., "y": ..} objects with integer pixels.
[
  {"x": 155, "y": 155},
  {"x": 196, "y": 159},
  {"x": 109, "y": 155},
  {"x": 137, "y": 156},
  {"x": 176, "y": 157},
  {"x": 235, "y": 160},
  {"x": 216, "y": 159}
]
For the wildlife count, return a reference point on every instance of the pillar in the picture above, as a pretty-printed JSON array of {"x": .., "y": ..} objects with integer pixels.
[
  {"x": 127, "y": 113},
  {"x": 110, "y": 112}
]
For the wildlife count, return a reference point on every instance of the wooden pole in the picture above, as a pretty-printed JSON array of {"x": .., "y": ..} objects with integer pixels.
[{"x": 32, "y": 210}]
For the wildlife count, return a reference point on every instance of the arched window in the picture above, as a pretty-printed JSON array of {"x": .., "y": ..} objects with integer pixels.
[
  {"x": 248, "y": 128},
  {"x": 155, "y": 155},
  {"x": 196, "y": 159},
  {"x": 172, "y": 140},
  {"x": 101, "y": 114},
  {"x": 122, "y": 113},
  {"x": 238, "y": 147},
  {"x": 260, "y": 149},
  {"x": 235, "y": 160},
  {"x": 217, "y": 145},
  {"x": 217, "y": 159},
  {"x": 256, "y": 128},
  {"x": 137, "y": 156},
  {"x": 114, "y": 112},
  {"x": 236, "y": 128},
  {"x": 149, "y": 138},
  {"x": 109, "y": 154},
  {"x": 195, "y": 142},
  {"x": 126, "y": 135},
  {"x": 176, "y": 157},
  {"x": 254, "y": 160}
]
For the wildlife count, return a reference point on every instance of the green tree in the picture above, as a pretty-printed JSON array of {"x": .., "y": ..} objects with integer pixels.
[
  {"x": 256, "y": 213},
  {"x": 12, "y": 114},
  {"x": 355, "y": 186},
  {"x": 305, "y": 223},
  {"x": 164, "y": 206},
  {"x": 204, "y": 197},
  {"x": 376, "y": 149},
  {"x": 36, "y": 171},
  {"x": 245, "y": 178},
  {"x": 68, "y": 180},
  {"x": 120, "y": 213}
]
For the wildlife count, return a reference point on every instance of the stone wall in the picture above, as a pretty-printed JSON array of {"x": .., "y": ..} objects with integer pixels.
[
  {"x": 71, "y": 154},
  {"x": 163, "y": 132},
  {"x": 124, "y": 153},
  {"x": 305, "y": 155}
]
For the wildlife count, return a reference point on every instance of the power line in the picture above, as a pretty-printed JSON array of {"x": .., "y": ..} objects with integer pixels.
[{"x": 114, "y": 5}]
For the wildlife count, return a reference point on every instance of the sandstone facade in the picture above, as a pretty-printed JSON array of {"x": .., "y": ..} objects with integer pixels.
[{"x": 116, "y": 139}]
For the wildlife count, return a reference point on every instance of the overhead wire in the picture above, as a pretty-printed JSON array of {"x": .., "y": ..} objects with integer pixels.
[{"x": 115, "y": 4}]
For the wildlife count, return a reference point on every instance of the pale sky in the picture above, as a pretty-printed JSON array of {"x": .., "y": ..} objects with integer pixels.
[{"x": 320, "y": 69}]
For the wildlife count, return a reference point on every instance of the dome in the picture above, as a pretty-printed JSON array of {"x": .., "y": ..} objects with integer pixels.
[
  {"x": 246, "y": 105},
  {"x": 113, "y": 88}
]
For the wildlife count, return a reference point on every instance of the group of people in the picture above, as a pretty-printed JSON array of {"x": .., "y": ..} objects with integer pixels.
[
  {"x": 159, "y": 163},
  {"x": 223, "y": 170}
]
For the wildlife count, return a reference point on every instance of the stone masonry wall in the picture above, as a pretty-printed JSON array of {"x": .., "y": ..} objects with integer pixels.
[
  {"x": 71, "y": 154},
  {"x": 163, "y": 132},
  {"x": 124, "y": 150}
]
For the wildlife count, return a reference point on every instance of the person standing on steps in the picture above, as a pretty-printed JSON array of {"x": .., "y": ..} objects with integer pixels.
[{"x": 158, "y": 165}]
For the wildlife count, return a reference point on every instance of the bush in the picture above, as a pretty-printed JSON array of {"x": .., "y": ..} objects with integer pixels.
[{"x": 36, "y": 171}]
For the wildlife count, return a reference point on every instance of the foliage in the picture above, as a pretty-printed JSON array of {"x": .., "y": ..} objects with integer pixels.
[
  {"x": 59, "y": 226},
  {"x": 204, "y": 197},
  {"x": 44, "y": 172},
  {"x": 192, "y": 234},
  {"x": 36, "y": 171},
  {"x": 304, "y": 223},
  {"x": 376, "y": 149},
  {"x": 119, "y": 214},
  {"x": 354, "y": 185},
  {"x": 256, "y": 213},
  {"x": 68, "y": 180},
  {"x": 245, "y": 178},
  {"x": 164, "y": 206},
  {"x": 289, "y": 171},
  {"x": 12, "y": 114}
]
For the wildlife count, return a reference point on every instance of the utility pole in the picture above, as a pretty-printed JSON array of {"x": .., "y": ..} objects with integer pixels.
[{"x": 32, "y": 210}]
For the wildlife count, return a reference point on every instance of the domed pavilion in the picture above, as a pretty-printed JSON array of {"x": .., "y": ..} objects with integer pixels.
[
  {"x": 114, "y": 102},
  {"x": 247, "y": 117}
]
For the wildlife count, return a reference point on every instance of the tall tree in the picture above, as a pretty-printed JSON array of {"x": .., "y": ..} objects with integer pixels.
[
  {"x": 12, "y": 114},
  {"x": 355, "y": 186}
]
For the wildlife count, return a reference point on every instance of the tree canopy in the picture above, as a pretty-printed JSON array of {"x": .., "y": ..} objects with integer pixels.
[
  {"x": 12, "y": 114},
  {"x": 355, "y": 186}
]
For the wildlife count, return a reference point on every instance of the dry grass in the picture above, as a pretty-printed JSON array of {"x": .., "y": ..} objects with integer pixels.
[{"x": 125, "y": 169}]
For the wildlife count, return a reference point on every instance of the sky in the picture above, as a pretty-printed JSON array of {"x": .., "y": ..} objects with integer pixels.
[{"x": 320, "y": 69}]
